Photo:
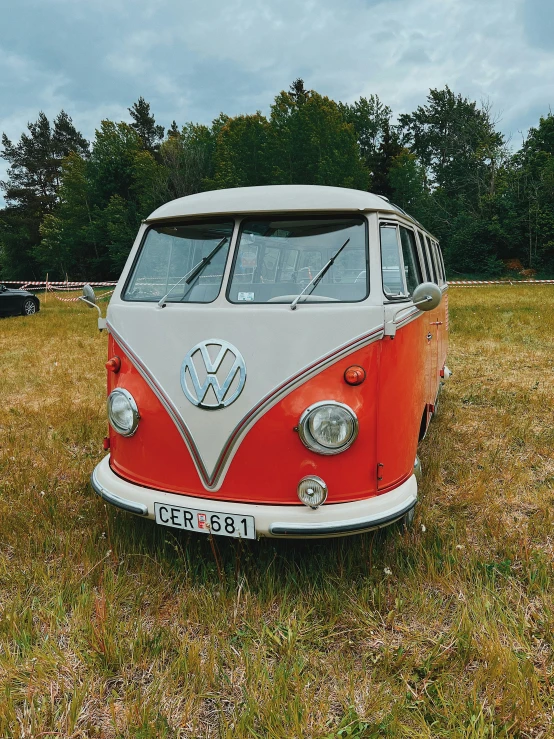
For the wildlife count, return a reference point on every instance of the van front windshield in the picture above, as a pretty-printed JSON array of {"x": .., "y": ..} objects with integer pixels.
[
  {"x": 276, "y": 258},
  {"x": 169, "y": 253}
]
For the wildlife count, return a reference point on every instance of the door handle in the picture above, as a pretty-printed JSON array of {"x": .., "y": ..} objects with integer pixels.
[{"x": 435, "y": 323}]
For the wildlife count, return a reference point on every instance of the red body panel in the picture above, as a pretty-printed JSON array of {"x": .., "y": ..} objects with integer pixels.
[
  {"x": 271, "y": 459},
  {"x": 402, "y": 376},
  {"x": 409, "y": 381},
  {"x": 403, "y": 394}
]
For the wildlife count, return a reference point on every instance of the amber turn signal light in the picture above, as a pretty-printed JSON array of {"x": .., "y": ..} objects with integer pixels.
[
  {"x": 113, "y": 364},
  {"x": 354, "y": 375}
]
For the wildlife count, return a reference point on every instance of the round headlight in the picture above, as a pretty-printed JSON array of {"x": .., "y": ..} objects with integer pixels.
[
  {"x": 123, "y": 412},
  {"x": 328, "y": 427}
]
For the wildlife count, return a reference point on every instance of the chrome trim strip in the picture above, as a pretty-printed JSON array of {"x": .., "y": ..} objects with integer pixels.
[
  {"x": 126, "y": 505},
  {"x": 210, "y": 481},
  {"x": 283, "y": 529},
  {"x": 413, "y": 313}
]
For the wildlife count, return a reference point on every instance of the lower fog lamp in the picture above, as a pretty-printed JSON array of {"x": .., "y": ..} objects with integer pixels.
[{"x": 312, "y": 491}]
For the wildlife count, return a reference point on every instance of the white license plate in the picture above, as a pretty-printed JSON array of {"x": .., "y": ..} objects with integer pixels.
[{"x": 203, "y": 522}]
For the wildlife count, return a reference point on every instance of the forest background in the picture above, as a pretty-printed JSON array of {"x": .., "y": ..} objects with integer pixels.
[{"x": 73, "y": 207}]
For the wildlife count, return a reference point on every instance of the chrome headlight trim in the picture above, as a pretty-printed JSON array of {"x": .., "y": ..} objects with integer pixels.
[
  {"x": 134, "y": 410},
  {"x": 309, "y": 441}
]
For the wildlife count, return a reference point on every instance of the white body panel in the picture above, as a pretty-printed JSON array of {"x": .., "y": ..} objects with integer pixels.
[{"x": 274, "y": 199}]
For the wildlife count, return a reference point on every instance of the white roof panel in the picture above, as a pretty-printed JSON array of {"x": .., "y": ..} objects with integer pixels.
[{"x": 271, "y": 199}]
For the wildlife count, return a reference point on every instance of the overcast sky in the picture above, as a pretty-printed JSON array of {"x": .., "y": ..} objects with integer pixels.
[{"x": 191, "y": 60}]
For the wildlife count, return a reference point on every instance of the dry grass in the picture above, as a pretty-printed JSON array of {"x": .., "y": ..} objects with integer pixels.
[{"x": 113, "y": 627}]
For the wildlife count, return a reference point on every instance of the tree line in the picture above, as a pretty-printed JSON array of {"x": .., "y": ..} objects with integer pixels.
[{"x": 73, "y": 207}]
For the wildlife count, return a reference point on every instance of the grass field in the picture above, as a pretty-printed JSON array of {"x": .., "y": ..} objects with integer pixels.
[{"x": 113, "y": 627}]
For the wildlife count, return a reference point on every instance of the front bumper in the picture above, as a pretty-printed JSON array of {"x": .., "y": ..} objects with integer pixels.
[{"x": 296, "y": 522}]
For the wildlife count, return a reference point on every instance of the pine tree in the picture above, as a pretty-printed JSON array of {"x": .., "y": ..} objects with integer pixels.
[
  {"x": 173, "y": 130},
  {"x": 145, "y": 125},
  {"x": 35, "y": 164},
  {"x": 298, "y": 92}
]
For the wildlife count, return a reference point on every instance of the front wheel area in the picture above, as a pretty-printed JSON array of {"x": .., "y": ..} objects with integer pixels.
[
  {"x": 407, "y": 520},
  {"x": 29, "y": 307}
]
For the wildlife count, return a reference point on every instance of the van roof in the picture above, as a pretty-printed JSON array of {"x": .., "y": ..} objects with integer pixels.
[{"x": 272, "y": 199}]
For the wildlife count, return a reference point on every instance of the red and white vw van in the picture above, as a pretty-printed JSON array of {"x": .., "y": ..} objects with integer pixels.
[{"x": 275, "y": 355}]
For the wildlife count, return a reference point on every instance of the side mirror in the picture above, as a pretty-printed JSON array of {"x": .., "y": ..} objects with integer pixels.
[
  {"x": 427, "y": 296},
  {"x": 88, "y": 295},
  {"x": 89, "y": 298}
]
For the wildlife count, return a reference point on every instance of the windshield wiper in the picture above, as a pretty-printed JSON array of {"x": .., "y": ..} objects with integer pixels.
[
  {"x": 317, "y": 279},
  {"x": 195, "y": 271}
]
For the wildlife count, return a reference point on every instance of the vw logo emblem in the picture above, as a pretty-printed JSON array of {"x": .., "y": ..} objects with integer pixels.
[{"x": 228, "y": 359}]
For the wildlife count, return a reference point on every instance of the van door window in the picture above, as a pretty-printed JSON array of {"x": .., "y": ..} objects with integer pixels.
[
  {"x": 393, "y": 281},
  {"x": 412, "y": 267}
]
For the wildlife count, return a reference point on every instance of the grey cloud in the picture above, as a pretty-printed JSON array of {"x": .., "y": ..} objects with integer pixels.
[
  {"x": 415, "y": 56},
  {"x": 192, "y": 60}
]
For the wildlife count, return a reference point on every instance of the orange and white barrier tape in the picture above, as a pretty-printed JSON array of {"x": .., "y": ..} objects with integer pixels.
[
  {"x": 58, "y": 285},
  {"x": 66, "y": 286},
  {"x": 473, "y": 283},
  {"x": 50, "y": 289},
  {"x": 70, "y": 286}
]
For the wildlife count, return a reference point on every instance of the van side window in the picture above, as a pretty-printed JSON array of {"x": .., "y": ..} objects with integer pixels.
[
  {"x": 412, "y": 268},
  {"x": 440, "y": 263},
  {"x": 433, "y": 274},
  {"x": 436, "y": 262},
  {"x": 426, "y": 257},
  {"x": 393, "y": 282}
]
